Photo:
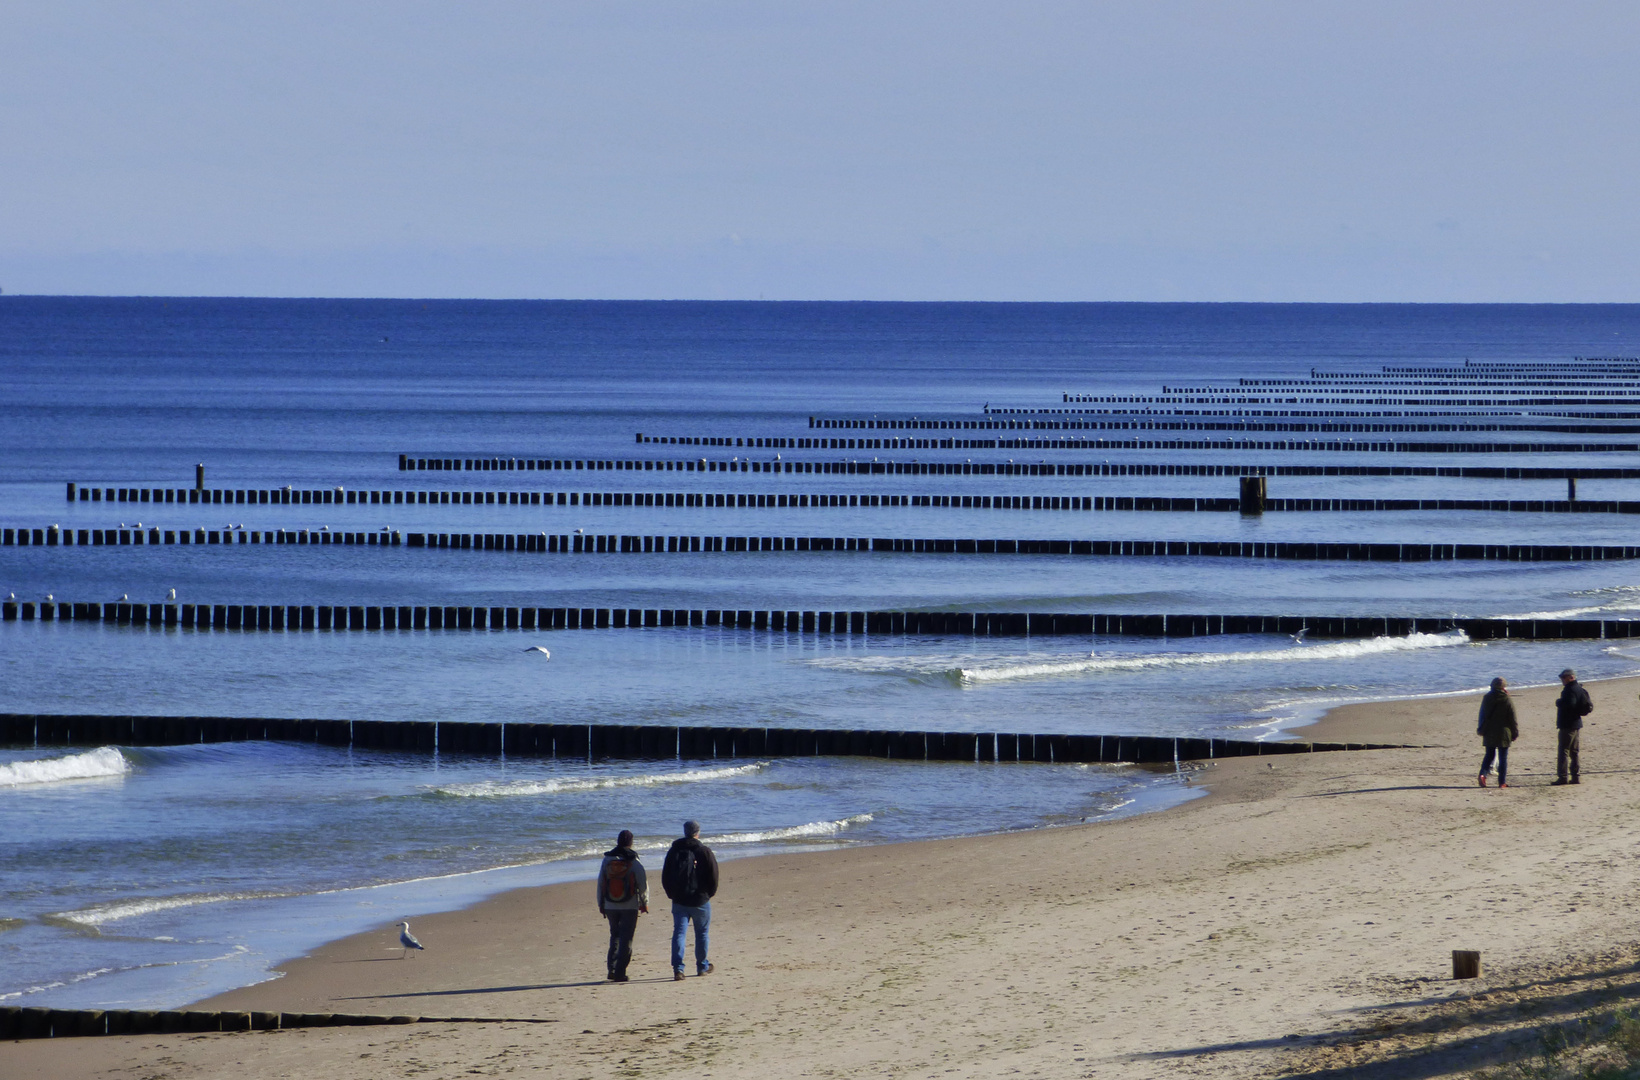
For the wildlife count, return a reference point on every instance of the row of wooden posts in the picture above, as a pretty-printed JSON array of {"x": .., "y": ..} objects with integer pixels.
[
  {"x": 753, "y": 500},
  {"x": 879, "y": 623},
  {"x": 611, "y": 543},
  {"x": 640, "y": 742},
  {"x": 37, "y": 1023},
  {"x": 1136, "y": 468}
]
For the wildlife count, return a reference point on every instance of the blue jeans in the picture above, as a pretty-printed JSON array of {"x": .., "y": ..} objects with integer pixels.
[
  {"x": 680, "y": 921},
  {"x": 1502, "y": 755}
]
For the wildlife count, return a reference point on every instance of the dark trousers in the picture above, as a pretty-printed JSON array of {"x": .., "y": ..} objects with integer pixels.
[
  {"x": 1566, "y": 752},
  {"x": 622, "y": 925},
  {"x": 1502, "y": 754}
]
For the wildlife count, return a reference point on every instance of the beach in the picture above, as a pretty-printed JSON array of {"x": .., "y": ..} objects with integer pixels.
[{"x": 1299, "y": 917}]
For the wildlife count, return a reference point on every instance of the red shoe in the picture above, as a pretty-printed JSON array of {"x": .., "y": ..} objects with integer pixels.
[
  {"x": 1501, "y": 784},
  {"x": 1482, "y": 779}
]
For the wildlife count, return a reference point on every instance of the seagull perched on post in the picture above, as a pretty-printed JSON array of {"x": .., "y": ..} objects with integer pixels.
[{"x": 408, "y": 940}]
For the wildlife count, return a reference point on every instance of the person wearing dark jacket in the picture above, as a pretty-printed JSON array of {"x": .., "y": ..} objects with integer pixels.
[
  {"x": 690, "y": 877},
  {"x": 1570, "y": 709},
  {"x": 1497, "y": 729},
  {"x": 623, "y": 892}
]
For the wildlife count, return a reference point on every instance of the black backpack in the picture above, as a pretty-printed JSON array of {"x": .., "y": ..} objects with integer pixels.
[{"x": 678, "y": 877}]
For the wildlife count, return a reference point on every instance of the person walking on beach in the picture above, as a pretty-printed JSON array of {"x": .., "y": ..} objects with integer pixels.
[
  {"x": 690, "y": 877},
  {"x": 1497, "y": 729},
  {"x": 1570, "y": 709},
  {"x": 623, "y": 892}
]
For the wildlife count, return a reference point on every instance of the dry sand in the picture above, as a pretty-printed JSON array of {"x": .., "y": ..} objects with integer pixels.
[{"x": 1299, "y": 919}]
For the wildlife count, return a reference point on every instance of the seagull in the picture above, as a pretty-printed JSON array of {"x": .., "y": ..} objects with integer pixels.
[
  {"x": 408, "y": 940},
  {"x": 49, "y": 596},
  {"x": 539, "y": 649},
  {"x": 124, "y": 596},
  {"x": 172, "y": 595},
  {"x": 1299, "y": 637}
]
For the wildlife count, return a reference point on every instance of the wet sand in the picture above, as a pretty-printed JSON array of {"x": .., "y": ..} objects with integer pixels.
[{"x": 1304, "y": 905}]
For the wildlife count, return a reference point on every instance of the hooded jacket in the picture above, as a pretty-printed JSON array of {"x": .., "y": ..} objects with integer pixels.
[
  {"x": 1572, "y": 706},
  {"x": 640, "y": 895},
  {"x": 1497, "y": 725},
  {"x": 706, "y": 873}
]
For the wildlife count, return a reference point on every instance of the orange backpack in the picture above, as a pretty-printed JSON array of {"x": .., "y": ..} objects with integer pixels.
[{"x": 620, "y": 884}]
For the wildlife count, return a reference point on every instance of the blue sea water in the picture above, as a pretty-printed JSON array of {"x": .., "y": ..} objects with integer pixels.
[{"x": 156, "y": 876}]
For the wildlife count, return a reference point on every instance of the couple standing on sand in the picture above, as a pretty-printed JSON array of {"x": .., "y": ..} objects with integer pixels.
[
  {"x": 1497, "y": 728},
  {"x": 690, "y": 877}
]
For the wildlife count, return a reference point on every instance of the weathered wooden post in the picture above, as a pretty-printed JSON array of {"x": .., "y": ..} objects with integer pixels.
[
  {"x": 1252, "y": 494},
  {"x": 1466, "y": 964}
]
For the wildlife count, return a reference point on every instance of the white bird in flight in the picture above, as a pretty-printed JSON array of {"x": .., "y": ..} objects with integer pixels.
[
  {"x": 1299, "y": 637},
  {"x": 408, "y": 940},
  {"x": 539, "y": 649}
]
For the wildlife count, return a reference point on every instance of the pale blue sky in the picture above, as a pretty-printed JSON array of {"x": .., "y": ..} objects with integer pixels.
[{"x": 837, "y": 150}]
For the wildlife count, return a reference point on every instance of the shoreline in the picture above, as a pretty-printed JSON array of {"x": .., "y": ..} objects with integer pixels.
[{"x": 1302, "y": 896}]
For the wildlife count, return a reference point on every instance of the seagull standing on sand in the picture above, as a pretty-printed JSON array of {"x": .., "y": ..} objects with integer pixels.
[{"x": 408, "y": 940}]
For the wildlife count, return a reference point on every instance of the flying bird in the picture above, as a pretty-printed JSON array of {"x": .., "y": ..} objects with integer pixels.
[
  {"x": 541, "y": 650},
  {"x": 408, "y": 940},
  {"x": 1299, "y": 637}
]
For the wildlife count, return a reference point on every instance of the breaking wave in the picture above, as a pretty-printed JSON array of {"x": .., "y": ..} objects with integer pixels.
[
  {"x": 965, "y": 671},
  {"x": 793, "y": 832},
  {"x": 570, "y": 785},
  {"x": 118, "y": 910},
  {"x": 105, "y": 761}
]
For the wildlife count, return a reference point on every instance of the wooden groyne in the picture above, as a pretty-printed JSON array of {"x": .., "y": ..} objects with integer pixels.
[
  {"x": 767, "y": 500},
  {"x": 317, "y": 617},
  {"x": 1118, "y": 468},
  {"x": 32, "y": 1023},
  {"x": 640, "y": 742},
  {"x": 612, "y": 543}
]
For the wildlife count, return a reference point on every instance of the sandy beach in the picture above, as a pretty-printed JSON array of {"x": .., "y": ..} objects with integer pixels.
[{"x": 1299, "y": 918}]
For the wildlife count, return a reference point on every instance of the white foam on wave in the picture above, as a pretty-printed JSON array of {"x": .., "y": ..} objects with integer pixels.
[
  {"x": 1566, "y": 613},
  {"x": 101, "y": 763},
  {"x": 570, "y": 785},
  {"x": 793, "y": 832},
  {"x": 1613, "y": 599},
  {"x": 118, "y": 910},
  {"x": 966, "y": 671}
]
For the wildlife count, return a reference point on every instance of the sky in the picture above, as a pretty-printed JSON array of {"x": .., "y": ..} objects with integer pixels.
[{"x": 884, "y": 150}]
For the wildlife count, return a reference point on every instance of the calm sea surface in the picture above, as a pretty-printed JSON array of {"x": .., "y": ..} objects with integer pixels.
[{"x": 151, "y": 877}]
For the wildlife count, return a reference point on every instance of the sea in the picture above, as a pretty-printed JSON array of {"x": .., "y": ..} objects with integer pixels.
[{"x": 155, "y": 876}]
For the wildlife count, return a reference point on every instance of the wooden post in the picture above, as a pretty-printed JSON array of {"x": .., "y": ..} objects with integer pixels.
[
  {"x": 1466, "y": 964},
  {"x": 1252, "y": 494},
  {"x": 199, "y": 477}
]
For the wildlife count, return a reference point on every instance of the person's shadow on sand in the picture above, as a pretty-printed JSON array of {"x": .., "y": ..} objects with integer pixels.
[{"x": 492, "y": 990}]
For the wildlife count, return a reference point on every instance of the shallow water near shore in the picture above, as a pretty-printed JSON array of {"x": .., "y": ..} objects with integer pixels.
[{"x": 156, "y": 876}]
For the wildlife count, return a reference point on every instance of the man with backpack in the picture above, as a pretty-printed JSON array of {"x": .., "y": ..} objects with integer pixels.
[
  {"x": 690, "y": 877},
  {"x": 1570, "y": 709},
  {"x": 623, "y": 892}
]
